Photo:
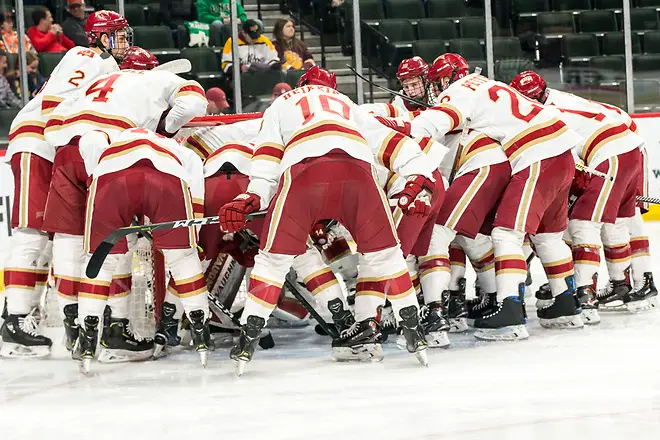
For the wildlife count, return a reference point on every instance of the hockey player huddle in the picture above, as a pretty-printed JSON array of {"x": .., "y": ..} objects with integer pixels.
[{"x": 458, "y": 166}]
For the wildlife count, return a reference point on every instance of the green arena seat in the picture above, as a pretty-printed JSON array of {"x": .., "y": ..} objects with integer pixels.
[{"x": 434, "y": 28}]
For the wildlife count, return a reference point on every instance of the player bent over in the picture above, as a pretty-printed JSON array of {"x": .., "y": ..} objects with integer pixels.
[
  {"x": 32, "y": 159},
  {"x": 311, "y": 164},
  {"x": 142, "y": 174}
]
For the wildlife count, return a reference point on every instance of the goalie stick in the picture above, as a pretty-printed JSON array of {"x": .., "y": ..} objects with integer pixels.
[
  {"x": 182, "y": 65},
  {"x": 104, "y": 248}
]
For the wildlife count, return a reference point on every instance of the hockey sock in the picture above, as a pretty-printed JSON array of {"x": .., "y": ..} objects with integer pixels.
[
  {"x": 585, "y": 236},
  {"x": 26, "y": 247},
  {"x": 68, "y": 267},
  {"x": 93, "y": 294},
  {"x": 616, "y": 243},
  {"x": 510, "y": 265},
  {"x": 265, "y": 284},
  {"x": 170, "y": 297},
  {"x": 318, "y": 277},
  {"x": 434, "y": 267},
  {"x": 120, "y": 288},
  {"x": 411, "y": 262},
  {"x": 556, "y": 258},
  {"x": 186, "y": 271},
  {"x": 640, "y": 248},
  {"x": 43, "y": 268},
  {"x": 482, "y": 256}
]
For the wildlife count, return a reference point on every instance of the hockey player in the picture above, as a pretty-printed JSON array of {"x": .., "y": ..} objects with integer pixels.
[
  {"x": 611, "y": 148},
  {"x": 323, "y": 166},
  {"x": 31, "y": 160},
  {"x": 206, "y": 140},
  {"x": 537, "y": 144},
  {"x": 141, "y": 174}
]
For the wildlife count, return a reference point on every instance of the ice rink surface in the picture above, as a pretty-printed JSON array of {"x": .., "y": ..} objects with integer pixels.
[{"x": 597, "y": 383}]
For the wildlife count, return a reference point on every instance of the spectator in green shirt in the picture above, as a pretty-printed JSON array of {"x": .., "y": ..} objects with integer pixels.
[{"x": 218, "y": 12}]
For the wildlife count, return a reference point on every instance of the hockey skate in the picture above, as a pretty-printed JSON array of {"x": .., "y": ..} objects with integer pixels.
[
  {"x": 342, "y": 318},
  {"x": 543, "y": 296},
  {"x": 20, "y": 339},
  {"x": 414, "y": 334},
  {"x": 85, "y": 348},
  {"x": 561, "y": 311},
  {"x": 120, "y": 344},
  {"x": 506, "y": 322},
  {"x": 611, "y": 299},
  {"x": 167, "y": 331},
  {"x": 586, "y": 296},
  {"x": 481, "y": 306},
  {"x": 201, "y": 335},
  {"x": 456, "y": 311},
  {"x": 361, "y": 342},
  {"x": 646, "y": 291},
  {"x": 247, "y": 342},
  {"x": 71, "y": 327},
  {"x": 435, "y": 326}
]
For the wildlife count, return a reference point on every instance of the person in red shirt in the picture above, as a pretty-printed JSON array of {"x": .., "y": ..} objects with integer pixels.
[{"x": 46, "y": 36}]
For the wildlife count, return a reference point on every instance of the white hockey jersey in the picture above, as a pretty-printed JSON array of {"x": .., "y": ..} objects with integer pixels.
[
  {"x": 79, "y": 67},
  {"x": 389, "y": 111},
  {"x": 132, "y": 145},
  {"x": 603, "y": 134},
  {"x": 205, "y": 141},
  {"x": 238, "y": 154},
  {"x": 127, "y": 99},
  {"x": 479, "y": 151},
  {"x": 527, "y": 131},
  {"x": 311, "y": 121}
]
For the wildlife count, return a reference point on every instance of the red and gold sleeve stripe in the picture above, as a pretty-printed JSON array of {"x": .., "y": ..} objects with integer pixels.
[
  {"x": 608, "y": 133},
  {"x": 196, "y": 144},
  {"x": 390, "y": 148},
  {"x": 101, "y": 120},
  {"x": 452, "y": 113},
  {"x": 123, "y": 148},
  {"x": 322, "y": 129},
  {"x": 425, "y": 143},
  {"x": 478, "y": 145},
  {"x": 269, "y": 151},
  {"x": 27, "y": 129},
  {"x": 49, "y": 103},
  {"x": 190, "y": 88},
  {"x": 533, "y": 136}
]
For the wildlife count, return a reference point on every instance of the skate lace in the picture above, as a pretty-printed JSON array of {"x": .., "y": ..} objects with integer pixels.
[
  {"x": 351, "y": 331},
  {"x": 423, "y": 312},
  {"x": 133, "y": 333},
  {"x": 606, "y": 291},
  {"x": 485, "y": 300},
  {"x": 29, "y": 325}
]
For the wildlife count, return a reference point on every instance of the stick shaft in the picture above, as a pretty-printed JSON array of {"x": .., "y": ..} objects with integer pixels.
[{"x": 385, "y": 89}]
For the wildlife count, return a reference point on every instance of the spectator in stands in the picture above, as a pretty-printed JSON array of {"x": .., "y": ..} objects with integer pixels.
[
  {"x": 8, "y": 98},
  {"x": 218, "y": 12},
  {"x": 260, "y": 105},
  {"x": 255, "y": 51},
  {"x": 35, "y": 79},
  {"x": 9, "y": 37},
  {"x": 45, "y": 35},
  {"x": 74, "y": 26},
  {"x": 279, "y": 90},
  {"x": 293, "y": 53},
  {"x": 217, "y": 101}
]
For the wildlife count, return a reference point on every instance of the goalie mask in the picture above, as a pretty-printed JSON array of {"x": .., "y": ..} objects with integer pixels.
[{"x": 115, "y": 27}]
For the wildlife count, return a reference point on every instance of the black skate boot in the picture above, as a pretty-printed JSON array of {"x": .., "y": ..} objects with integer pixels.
[
  {"x": 361, "y": 342},
  {"x": 506, "y": 322},
  {"x": 435, "y": 325},
  {"x": 85, "y": 348},
  {"x": 20, "y": 339},
  {"x": 167, "y": 331},
  {"x": 562, "y": 311},
  {"x": 247, "y": 342},
  {"x": 71, "y": 327},
  {"x": 342, "y": 318},
  {"x": 586, "y": 296},
  {"x": 414, "y": 334},
  {"x": 643, "y": 298},
  {"x": 201, "y": 334},
  {"x": 120, "y": 344},
  {"x": 386, "y": 321},
  {"x": 543, "y": 296},
  {"x": 486, "y": 305},
  {"x": 456, "y": 309},
  {"x": 611, "y": 298}
]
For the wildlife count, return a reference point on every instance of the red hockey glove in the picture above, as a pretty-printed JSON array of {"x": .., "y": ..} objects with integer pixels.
[
  {"x": 319, "y": 234},
  {"x": 415, "y": 199},
  {"x": 233, "y": 214},
  {"x": 580, "y": 182},
  {"x": 400, "y": 126}
]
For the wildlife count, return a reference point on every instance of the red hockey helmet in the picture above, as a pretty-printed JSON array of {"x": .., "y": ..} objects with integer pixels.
[
  {"x": 451, "y": 66},
  {"x": 414, "y": 67},
  {"x": 530, "y": 84},
  {"x": 318, "y": 77},
  {"x": 138, "y": 59},
  {"x": 109, "y": 23}
]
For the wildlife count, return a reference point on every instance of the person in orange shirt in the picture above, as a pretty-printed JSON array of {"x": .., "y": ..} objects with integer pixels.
[
  {"x": 9, "y": 37},
  {"x": 47, "y": 36}
]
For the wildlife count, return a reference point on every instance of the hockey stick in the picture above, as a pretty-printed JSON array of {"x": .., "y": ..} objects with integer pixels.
[
  {"x": 385, "y": 89},
  {"x": 647, "y": 199},
  {"x": 104, "y": 248},
  {"x": 459, "y": 152},
  {"x": 210, "y": 121},
  {"x": 182, "y": 65},
  {"x": 592, "y": 171}
]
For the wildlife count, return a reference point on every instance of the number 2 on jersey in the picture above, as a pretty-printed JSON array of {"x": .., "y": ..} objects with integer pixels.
[
  {"x": 325, "y": 101},
  {"x": 494, "y": 94},
  {"x": 103, "y": 87}
]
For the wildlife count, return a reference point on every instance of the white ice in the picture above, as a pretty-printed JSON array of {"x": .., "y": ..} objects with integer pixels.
[{"x": 597, "y": 383}]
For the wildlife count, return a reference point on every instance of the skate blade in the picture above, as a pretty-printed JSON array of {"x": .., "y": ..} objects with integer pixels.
[
  {"x": 510, "y": 333},
  {"x": 161, "y": 351},
  {"x": 115, "y": 356},
  {"x": 204, "y": 357},
  {"x": 360, "y": 353},
  {"x": 85, "y": 366},
  {"x": 458, "y": 325},
  {"x": 563, "y": 322},
  {"x": 590, "y": 316},
  {"x": 18, "y": 351},
  {"x": 422, "y": 357},
  {"x": 639, "y": 306},
  {"x": 612, "y": 306},
  {"x": 240, "y": 367},
  {"x": 436, "y": 340}
]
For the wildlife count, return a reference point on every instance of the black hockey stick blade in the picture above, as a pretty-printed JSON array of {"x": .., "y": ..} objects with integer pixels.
[
  {"x": 385, "y": 89},
  {"x": 102, "y": 251},
  {"x": 292, "y": 284}
]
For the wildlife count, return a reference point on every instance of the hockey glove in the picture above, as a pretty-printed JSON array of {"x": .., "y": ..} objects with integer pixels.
[
  {"x": 233, "y": 214},
  {"x": 396, "y": 125},
  {"x": 415, "y": 199},
  {"x": 580, "y": 183},
  {"x": 319, "y": 234}
]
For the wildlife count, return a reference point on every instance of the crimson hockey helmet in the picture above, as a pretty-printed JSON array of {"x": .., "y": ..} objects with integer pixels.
[
  {"x": 414, "y": 67},
  {"x": 318, "y": 77},
  {"x": 138, "y": 59},
  {"x": 530, "y": 84},
  {"x": 451, "y": 66},
  {"x": 109, "y": 23}
]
